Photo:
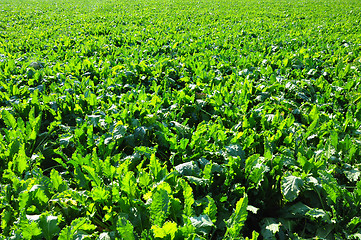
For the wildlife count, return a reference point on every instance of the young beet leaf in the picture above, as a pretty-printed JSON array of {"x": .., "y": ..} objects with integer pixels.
[
  {"x": 236, "y": 222},
  {"x": 291, "y": 187}
]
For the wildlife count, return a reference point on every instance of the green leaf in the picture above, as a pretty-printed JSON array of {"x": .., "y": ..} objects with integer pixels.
[
  {"x": 9, "y": 119},
  {"x": 316, "y": 213},
  {"x": 21, "y": 160},
  {"x": 269, "y": 228},
  {"x": 236, "y": 222},
  {"x": 182, "y": 131},
  {"x": 353, "y": 174},
  {"x": 92, "y": 175},
  {"x": 66, "y": 233},
  {"x": 188, "y": 169},
  {"x": 77, "y": 230},
  {"x": 23, "y": 199},
  {"x": 330, "y": 185},
  {"x": 99, "y": 194},
  {"x": 7, "y": 218},
  {"x": 250, "y": 163},
  {"x": 334, "y": 139},
  {"x": 234, "y": 150},
  {"x": 291, "y": 187},
  {"x": 159, "y": 206},
  {"x": 202, "y": 223},
  {"x": 211, "y": 209},
  {"x": 56, "y": 179},
  {"x": 168, "y": 229},
  {"x": 188, "y": 197},
  {"x": 129, "y": 184},
  {"x": 30, "y": 230},
  {"x": 49, "y": 225},
  {"x": 125, "y": 228},
  {"x": 34, "y": 123},
  {"x": 254, "y": 236}
]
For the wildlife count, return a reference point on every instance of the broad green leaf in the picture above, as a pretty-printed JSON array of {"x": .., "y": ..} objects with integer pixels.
[
  {"x": 66, "y": 233},
  {"x": 14, "y": 148},
  {"x": 21, "y": 160},
  {"x": 269, "y": 228},
  {"x": 30, "y": 230},
  {"x": 129, "y": 184},
  {"x": 49, "y": 226},
  {"x": 251, "y": 162},
  {"x": 257, "y": 174},
  {"x": 125, "y": 228},
  {"x": 330, "y": 185},
  {"x": 188, "y": 197},
  {"x": 234, "y": 150},
  {"x": 188, "y": 169},
  {"x": 159, "y": 208},
  {"x": 291, "y": 187},
  {"x": 334, "y": 139},
  {"x": 77, "y": 230},
  {"x": 99, "y": 194},
  {"x": 316, "y": 213},
  {"x": 352, "y": 175},
  {"x": 34, "y": 123},
  {"x": 6, "y": 219},
  {"x": 202, "y": 223},
  {"x": 23, "y": 199},
  {"x": 93, "y": 176},
  {"x": 40, "y": 196},
  {"x": 236, "y": 222},
  {"x": 9, "y": 119},
  {"x": 168, "y": 229},
  {"x": 55, "y": 179},
  {"x": 211, "y": 209},
  {"x": 182, "y": 131},
  {"x": 325, "y": 231}
]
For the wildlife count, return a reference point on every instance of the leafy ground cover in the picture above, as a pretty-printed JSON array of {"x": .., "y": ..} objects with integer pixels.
[{"x": 210, "y": 119}]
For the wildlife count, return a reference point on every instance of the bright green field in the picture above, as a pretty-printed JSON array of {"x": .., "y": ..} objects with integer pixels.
[{"x": 183, "y": 119}]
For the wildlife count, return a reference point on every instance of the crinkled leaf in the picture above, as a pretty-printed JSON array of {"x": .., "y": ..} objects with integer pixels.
[
  {"x": 297, "y": 210},
  {"x": 168, "y": 229},
  {"x": 159, "y": 206},
  {"x": 30, "y": 230},
  {"x": 94, "y": 119},
  {"x": 236, "y": 222},
  {"x": 129, "y": 184},
  {"x": 21, "y": 160},
  {"x": 188, "y": 197},
  {"x": 330, "y": 185},
  {"x": 188, "y": 169},
  {"x": 55, "y": 179},
  {"x": 9, "y": 119},
  {"x": 125, "y": 228},
  {"x": 234, "y": 150},
  {"x": 202, "y": 223},
  {"x": 291, "y": 187},
  {"x": 99, "y": 194},
  {"x": 269, "y": 228},
  {"x": 352, "y": 175},
  {"x": 315, "y": 213}
]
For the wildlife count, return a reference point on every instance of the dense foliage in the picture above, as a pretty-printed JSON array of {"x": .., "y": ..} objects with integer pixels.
[{"x": 180, "y": 119}]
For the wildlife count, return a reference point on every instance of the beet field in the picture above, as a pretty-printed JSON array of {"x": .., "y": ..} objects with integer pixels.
[{"x": 180, "y": 119}]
